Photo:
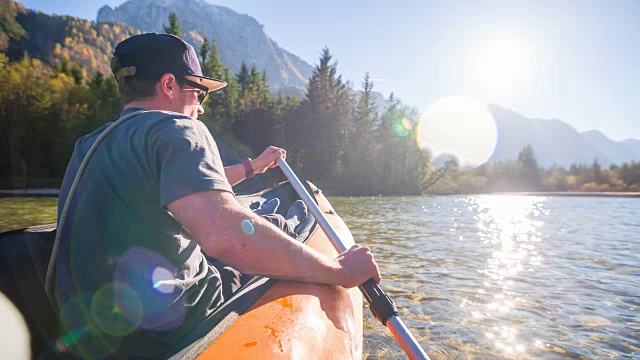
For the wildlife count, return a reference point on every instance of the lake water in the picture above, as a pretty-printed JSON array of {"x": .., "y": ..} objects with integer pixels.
[
  {"x": 489, "y": 277},
  {"x": 505, "y": 276}
]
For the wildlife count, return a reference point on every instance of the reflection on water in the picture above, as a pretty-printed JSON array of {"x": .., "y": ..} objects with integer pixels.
[
  {"x": 505, "y": 277},
  {"x": 507, "y": 224}
]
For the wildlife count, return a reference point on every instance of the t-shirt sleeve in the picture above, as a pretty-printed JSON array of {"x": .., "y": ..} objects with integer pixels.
[{"x": 186, "y": 160}]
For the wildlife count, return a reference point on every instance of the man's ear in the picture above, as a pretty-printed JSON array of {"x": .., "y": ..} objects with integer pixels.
[{"x": 168, "y": 86}]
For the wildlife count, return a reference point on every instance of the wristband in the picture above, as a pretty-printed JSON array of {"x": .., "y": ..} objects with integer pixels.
[{"x": 248, "y": 169}]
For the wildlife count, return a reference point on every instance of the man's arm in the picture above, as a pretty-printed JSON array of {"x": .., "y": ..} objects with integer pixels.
[
  {"x": 214, "y": 219},
  {"x": 268, "y": 159}
]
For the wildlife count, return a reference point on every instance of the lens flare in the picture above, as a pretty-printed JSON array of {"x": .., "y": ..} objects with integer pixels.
[
  {"x": 163, "y": 280},
  {"x": 80, "y": 334},
  {"x": 460, "y": 128},
  {"x": 117, "y": 309},
  {"x": 156, "y": 282},
  {"x": 407, "y": 123},
  {"x": 14, "y": 342}
]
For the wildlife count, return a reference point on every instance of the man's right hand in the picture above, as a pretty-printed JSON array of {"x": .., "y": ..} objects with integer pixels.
[{"x": 357, "y": 266}]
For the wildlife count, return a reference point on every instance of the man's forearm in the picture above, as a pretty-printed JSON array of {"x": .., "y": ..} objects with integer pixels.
[
  {"x": 235, "y": 174},
  {"x": 269, "y": 251},
  {"x": 215, "y": 220}
]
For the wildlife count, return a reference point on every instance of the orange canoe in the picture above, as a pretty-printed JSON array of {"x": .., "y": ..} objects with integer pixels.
[{"x": 293, "y": 320}]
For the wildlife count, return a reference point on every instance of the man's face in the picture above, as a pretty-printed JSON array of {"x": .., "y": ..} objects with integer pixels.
[{"x": 188, "y": 102}]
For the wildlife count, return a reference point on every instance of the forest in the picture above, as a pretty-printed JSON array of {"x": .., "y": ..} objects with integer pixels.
[{"x": 335, "y": 133}]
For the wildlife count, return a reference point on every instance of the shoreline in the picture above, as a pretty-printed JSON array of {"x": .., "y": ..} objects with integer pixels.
[
  {"x": 52, "y": 192},
  {"x": 570, "y": 194}
]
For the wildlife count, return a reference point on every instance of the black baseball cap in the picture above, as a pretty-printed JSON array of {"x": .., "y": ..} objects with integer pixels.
[{"x": 152, "y": 55}]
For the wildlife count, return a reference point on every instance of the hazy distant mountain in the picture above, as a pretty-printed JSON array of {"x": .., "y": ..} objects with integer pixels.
[
  {"x": 239, "y": 37},
  {"x": 618, "y": 151},
  {"x": 556, "y": 142},
  {"x": 634, "y": 145}
]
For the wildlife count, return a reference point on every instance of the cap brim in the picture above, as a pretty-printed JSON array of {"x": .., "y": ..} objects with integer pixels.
[{"x": 211, "y": 83}]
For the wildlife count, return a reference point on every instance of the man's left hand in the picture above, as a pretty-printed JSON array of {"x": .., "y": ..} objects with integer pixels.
[{"x": 268, "y": 159}]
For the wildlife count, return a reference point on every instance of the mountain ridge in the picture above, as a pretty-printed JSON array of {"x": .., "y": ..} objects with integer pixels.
[
  {"x": 241, "y": 36},
  {"x": 556, "y": 143}
]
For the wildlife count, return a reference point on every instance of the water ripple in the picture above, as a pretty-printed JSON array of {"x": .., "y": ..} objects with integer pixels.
[{"x": 505, "y": 277}]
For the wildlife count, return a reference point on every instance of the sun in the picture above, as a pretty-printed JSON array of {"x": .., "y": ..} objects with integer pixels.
[{"x": 501, "y": 67}]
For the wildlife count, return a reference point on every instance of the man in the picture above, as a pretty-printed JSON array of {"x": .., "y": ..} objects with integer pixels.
[{"x": 131, "y": 273}]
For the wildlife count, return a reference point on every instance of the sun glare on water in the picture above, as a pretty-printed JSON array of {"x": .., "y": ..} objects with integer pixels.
[{"x": 458, "y": 127}]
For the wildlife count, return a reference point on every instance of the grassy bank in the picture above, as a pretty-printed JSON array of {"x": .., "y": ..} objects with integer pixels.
[{"x": 16, "y": 213}]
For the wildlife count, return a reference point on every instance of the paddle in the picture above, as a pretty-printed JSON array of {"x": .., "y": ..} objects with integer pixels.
[{"x": 380, "y": 303}]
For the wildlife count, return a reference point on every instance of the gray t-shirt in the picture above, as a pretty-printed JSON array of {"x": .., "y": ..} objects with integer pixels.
[{"x": 128, "y": 276}]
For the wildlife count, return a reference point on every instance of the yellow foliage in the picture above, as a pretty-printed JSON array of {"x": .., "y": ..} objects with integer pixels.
[
  {"x": 591, "y": 187},
  {"x": 60, "y": 86}
]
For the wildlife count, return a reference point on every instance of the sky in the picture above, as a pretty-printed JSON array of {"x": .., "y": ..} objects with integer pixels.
[{"x": 573, "y": 60}]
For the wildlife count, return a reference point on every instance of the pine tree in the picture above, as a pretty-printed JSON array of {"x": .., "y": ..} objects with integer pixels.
[
  {"x": 230, "y": 98},
  {"x": 213, "y": 65},
  {"x": 174, "y": 26},
  {"x": 254, "y": 81},
  {"x": 256, "y": 121},
  {"x": 264, "y": 90},
  {"x": 242, "y": 77},
  {"x": 529, "y": 173},
  {"x": 325, "y": 113},
  {"x": 204, "y": 51},
  {"x": 362, "y": 150}
]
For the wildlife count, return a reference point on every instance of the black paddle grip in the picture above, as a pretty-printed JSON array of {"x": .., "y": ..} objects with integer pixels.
[{"x": 380, "y": 304}]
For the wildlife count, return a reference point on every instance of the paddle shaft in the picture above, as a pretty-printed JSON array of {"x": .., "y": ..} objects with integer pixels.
[{"x": 380, "y": 304}]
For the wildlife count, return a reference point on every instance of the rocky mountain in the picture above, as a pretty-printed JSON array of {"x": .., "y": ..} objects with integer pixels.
[
  {"x": 239, "y": 37},
  {"x": 557, "y": 143}
]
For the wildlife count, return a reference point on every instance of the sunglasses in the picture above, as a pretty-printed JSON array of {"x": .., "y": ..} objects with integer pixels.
[{"x": 202, "y": 95}]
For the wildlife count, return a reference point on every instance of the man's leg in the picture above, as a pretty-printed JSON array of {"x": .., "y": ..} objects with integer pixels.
[
  {"x": 279, "y": 221},
  {"x": 296, "y": 213},
  {"x": 232, "y": 279}
]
